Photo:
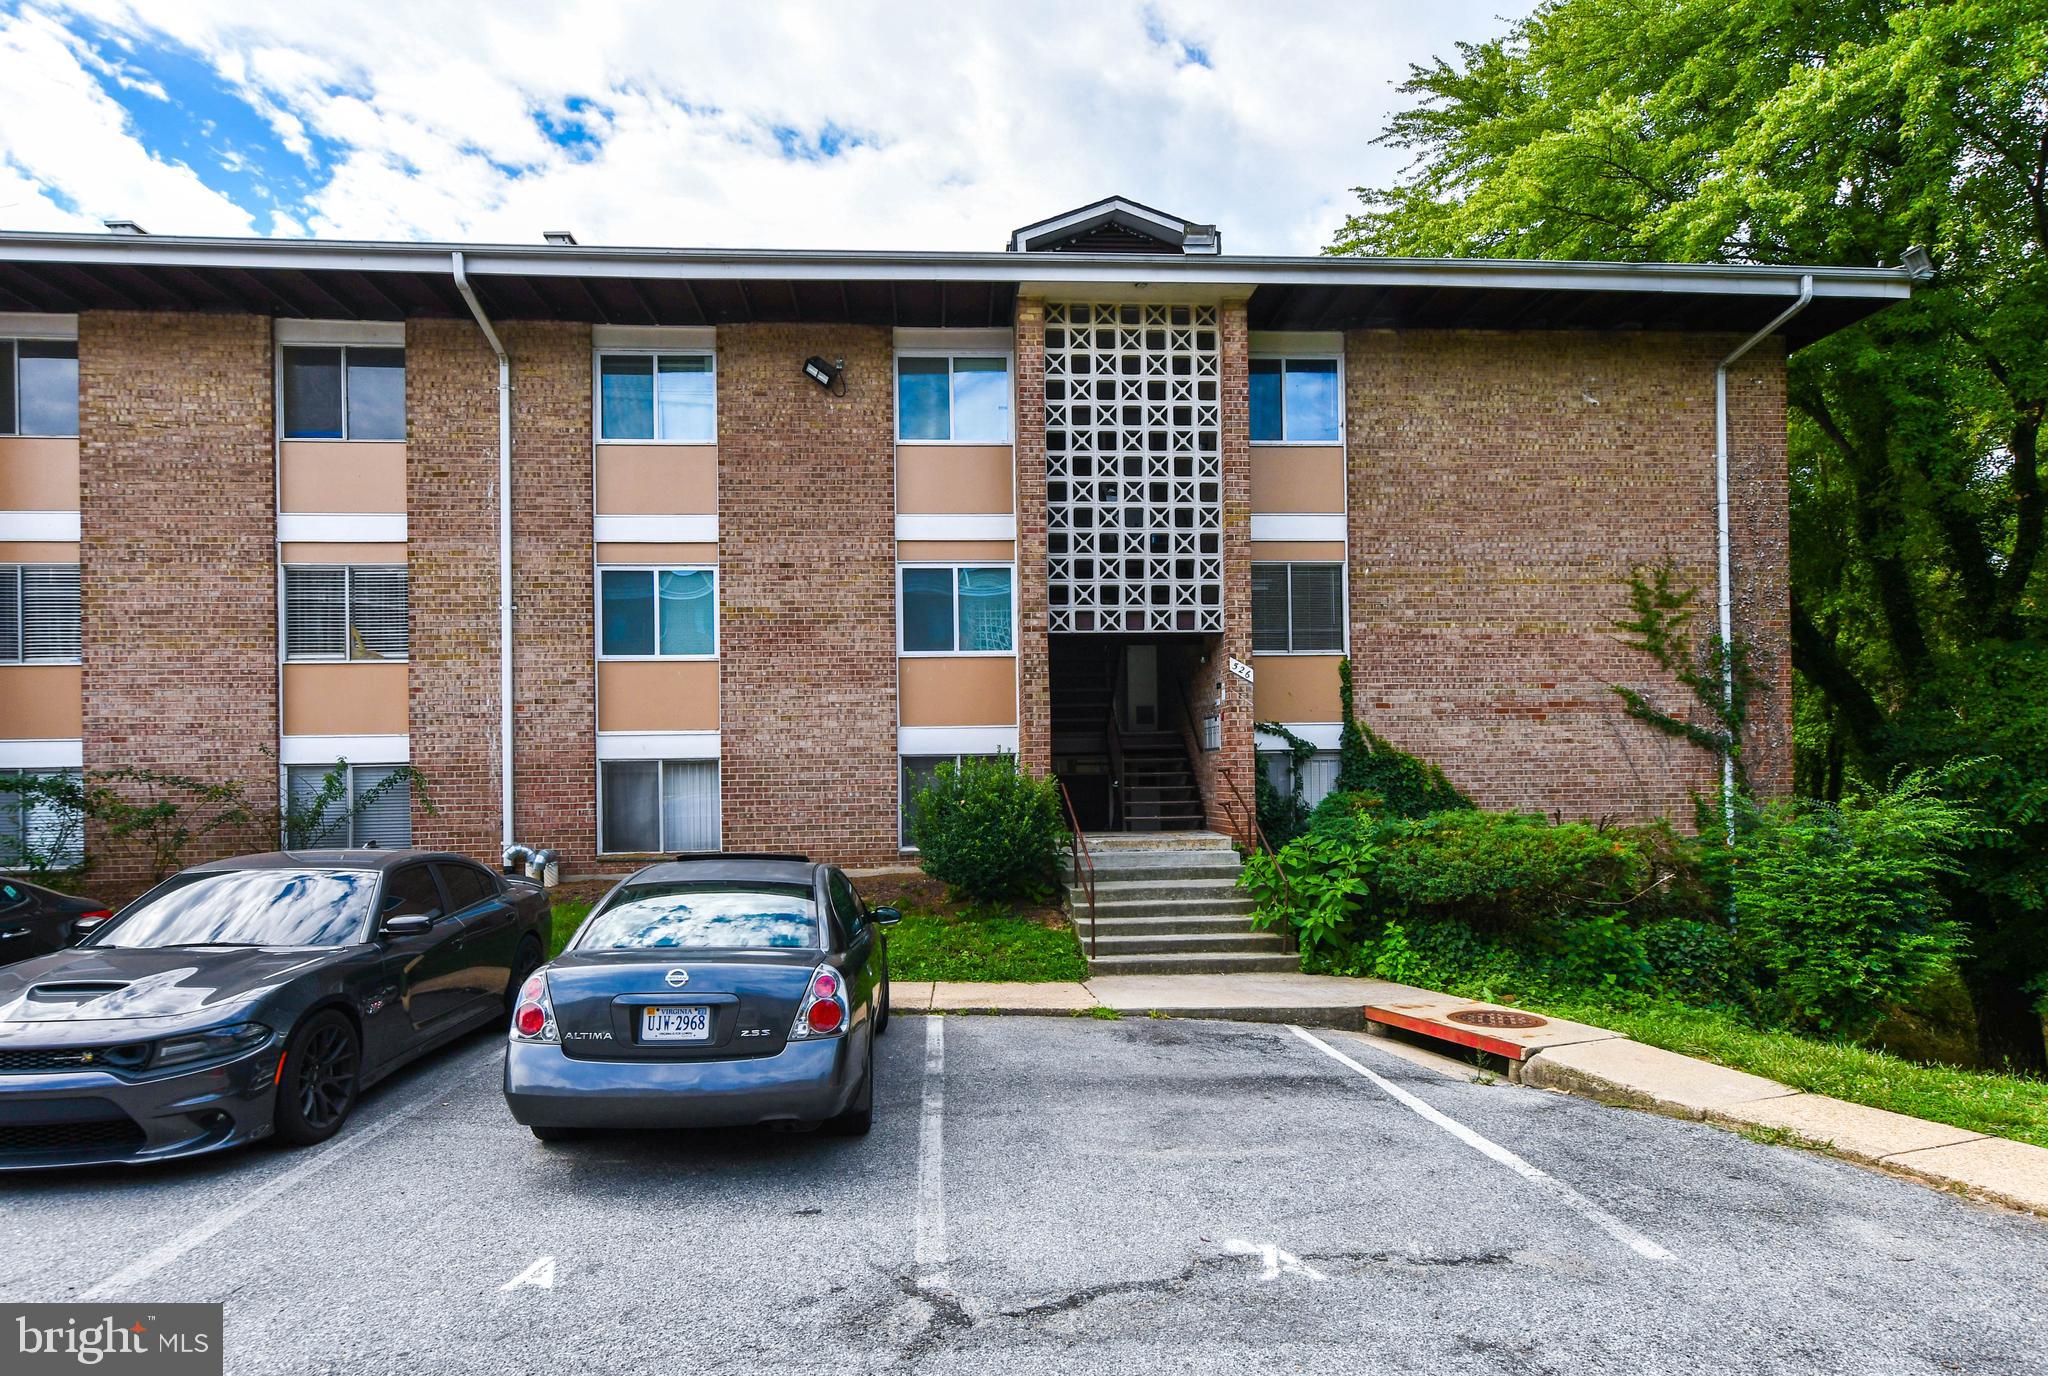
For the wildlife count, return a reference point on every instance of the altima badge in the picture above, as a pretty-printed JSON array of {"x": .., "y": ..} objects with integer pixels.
[{"x": 677, "y": 978}]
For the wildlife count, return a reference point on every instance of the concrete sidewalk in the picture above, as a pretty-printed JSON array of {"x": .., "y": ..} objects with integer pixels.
[{"x": 1570, "y": 1057}]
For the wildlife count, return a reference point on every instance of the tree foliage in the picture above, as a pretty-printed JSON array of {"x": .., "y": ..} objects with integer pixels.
[{"x": 1775, "y": 131}]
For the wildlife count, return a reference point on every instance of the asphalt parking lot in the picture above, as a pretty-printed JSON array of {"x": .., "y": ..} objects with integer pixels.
[{"x": 1056, "y": 1195}]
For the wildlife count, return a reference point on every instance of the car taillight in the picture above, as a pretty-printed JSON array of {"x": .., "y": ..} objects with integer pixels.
[
  {"x": 824, "y": 1010},
  {"x": 533, "y": 1016}
]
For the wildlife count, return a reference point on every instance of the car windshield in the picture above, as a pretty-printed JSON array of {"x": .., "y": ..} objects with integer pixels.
[
  {"x": 705, "y": 916},
  {"x": 249, "y": 908}
]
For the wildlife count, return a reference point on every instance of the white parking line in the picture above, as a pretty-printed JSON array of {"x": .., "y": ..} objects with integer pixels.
[
  {"x": 930, "y": 1251},
  {"x": 199, "y": 1233},
  {"x": 1557, "y": 1189}
]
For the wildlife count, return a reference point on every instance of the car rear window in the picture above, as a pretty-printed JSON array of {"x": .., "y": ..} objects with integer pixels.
[{"x": 669, "y": 917}]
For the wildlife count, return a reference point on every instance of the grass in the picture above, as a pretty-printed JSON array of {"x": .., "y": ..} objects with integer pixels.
[
  {"x": 960, "y": 944},
  {"x": 569, "y": 912}
]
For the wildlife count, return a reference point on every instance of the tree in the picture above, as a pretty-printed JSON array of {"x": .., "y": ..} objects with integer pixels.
[{"x": 1770, "y": 131}]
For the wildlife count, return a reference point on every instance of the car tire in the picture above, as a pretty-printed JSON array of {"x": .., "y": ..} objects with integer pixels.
[
  {"x": 857, "y": 1119},
  {"x": 321, "y": 1076},
  {"x": 523, "y": 964},
  {"x": 558, "y": 1134}
]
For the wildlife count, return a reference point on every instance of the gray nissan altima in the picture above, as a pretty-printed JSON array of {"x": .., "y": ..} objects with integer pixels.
[
  {"x": 716, "y": 991},
  {"x": 253, "y": 997}
]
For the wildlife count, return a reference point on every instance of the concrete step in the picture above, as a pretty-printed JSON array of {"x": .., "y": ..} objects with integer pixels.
[
  {"x": 1241, "y": 909},
  {"x": 1166, "y": 867},
  {"x": 1160, "y": 924},
  {"x": 1105, "y": 842},
  {"x": 1200, "y": 963},
  {"x": 1176, "y": 944}
]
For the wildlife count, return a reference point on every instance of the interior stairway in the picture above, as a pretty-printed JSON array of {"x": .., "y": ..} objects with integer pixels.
[
  {"x": 1167, "y": 904},
  {"x": 1159, "y": 791}
]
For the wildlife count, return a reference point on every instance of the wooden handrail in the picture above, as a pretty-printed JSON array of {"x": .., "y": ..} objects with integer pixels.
[{"x": 1084, "y": 863}]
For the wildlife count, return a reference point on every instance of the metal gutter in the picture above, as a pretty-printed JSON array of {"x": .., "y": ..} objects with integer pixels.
[
  {"x": 504, "y": 543},
  {"x": 1727, "y": 607}
]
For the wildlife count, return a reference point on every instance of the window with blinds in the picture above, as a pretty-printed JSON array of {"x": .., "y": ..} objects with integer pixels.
[
  {"x": 36, "y": 833},
  {"x": 658, "y": 805},
  {"x": 357, "y": 611},
  {"x": 39, "y": 614},
  {"x": 1297, "y": 608},
  {"x": 373, "y": 806}
]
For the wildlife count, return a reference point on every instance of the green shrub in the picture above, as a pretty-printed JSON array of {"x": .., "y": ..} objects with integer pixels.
[
  {"x": 988, "y": 830},
  {"x": 1499, "y": 870},
  {"x": 1695, "y": 961},
  {"x": 1842, "y": 904},
  {"x": 1599, "y": 953}
]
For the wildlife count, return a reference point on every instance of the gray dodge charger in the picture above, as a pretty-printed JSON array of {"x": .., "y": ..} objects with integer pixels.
[{"x": 721, "y": 991}]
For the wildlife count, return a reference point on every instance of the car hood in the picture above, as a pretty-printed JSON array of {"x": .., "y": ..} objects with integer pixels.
[{"x": 100, "y": 984}]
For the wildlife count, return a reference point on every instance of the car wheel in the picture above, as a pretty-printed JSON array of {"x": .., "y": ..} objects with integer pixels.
[
  {"x": 523, "y": 964},
  {"x": 558, "y": 1134},
  {"x": 322, "y": 1062},
  {"x": 882, "y": 1017},
  {"x": 856, "y": 1121}
]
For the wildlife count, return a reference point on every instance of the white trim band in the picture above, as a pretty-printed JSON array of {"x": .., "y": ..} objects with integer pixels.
[
  {"x": 657, "y": 745},
  {"x": 55, "y": 753},
  {"x": 354, "y": 749},
  {"x": 1321, "y": 734},
  {"x": 1283, "y": 342},
  {"x": 1277, "y": 525},
  {"x": 691, "y": 337},
  {"x": 956, "y": 527},
  {"x": 328, "y": 527},
  {"x": 385, "y": 334},
  {"x": 962, "y": 340},
  {"x": 25, "y": 325},
  {"x": 956, "y": 740},
  {"x": 39, "y": 525},
  {"x": 655, "y": 530}
]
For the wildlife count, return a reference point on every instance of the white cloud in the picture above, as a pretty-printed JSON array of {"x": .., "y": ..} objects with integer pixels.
[{"x": 971, "y": 120}]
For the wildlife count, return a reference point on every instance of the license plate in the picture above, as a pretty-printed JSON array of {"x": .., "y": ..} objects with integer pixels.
[{"x": 691, "y": 1024}]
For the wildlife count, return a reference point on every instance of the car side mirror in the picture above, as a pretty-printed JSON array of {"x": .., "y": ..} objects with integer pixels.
[
  {"x": 86, "y": 926},
  {"x": 887, "y": 917},
  {"x": 408, "y": 924}
]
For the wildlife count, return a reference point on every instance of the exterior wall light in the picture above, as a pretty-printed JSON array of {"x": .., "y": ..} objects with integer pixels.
[{"x": 831, "y": 376}]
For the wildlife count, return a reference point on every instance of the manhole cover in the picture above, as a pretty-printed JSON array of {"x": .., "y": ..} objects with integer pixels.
[{"x": 1494, "y": 1017}]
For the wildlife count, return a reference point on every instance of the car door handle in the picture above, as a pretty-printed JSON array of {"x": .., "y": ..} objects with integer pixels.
[{"x": 13, "y": 932}]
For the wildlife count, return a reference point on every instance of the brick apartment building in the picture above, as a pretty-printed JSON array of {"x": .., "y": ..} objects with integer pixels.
[{"x": 785, "y": 529}]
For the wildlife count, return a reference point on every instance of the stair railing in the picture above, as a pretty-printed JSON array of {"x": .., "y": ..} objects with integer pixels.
[
  {"x": 1266, "y": 847},
  {"x": 1083, "y": 862}
]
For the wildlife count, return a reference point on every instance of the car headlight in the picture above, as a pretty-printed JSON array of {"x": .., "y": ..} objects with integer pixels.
[{"x": 215, "y": 1043}]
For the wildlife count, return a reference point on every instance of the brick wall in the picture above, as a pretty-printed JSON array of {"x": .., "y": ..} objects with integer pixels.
[
  {"x": 554, "y": 722},
  {"x": 1034, "y": 648},
  {"x": 451, "y": 402},
  {"x": 807, "y": 597},
  {"x": 1235, "y": 761},
  {"x": 1502, "y": 488},
  {"x": 177, "y": 562},
  {"x": 1760, "y": 545}
]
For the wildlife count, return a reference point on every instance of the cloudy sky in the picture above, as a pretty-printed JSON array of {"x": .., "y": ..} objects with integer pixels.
[{"x": 831, "y": 125}]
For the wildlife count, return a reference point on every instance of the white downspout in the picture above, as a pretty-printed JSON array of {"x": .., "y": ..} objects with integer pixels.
[
  {"x": 1727, "y": 621},
  {"x": 504, "y": 548}
]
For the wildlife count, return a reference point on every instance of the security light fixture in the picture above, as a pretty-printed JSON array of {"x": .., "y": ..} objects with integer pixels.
[
  {"x": 831, "y": 376},
  {"x": 123, "y": 227},
  {"x": 561, "y": 238},
  {"x": 1918, "y": 264}
]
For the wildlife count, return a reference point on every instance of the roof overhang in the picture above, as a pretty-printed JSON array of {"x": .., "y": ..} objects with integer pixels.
[{"x": 318, "y": 279}]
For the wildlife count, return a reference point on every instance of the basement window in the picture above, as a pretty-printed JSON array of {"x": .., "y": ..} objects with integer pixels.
[
  {"x": 342, "y": 392},
  {"x": 39, "y": 387},
  {"x": 662, "y": 398},
  {"x": 371, "y": 805},
  {"x": 914, "y": 776},
  {"x": 649, "y": 806},
  {"x": 1295, "y": 401},
  {"x": 36, "y": 834}
]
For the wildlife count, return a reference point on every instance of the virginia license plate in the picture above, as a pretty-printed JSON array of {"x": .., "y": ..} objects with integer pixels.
[{"x": 690, "y": 1024}]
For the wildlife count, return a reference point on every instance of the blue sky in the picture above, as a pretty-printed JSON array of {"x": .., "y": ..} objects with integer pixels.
[{"x": 896, "y": 125}]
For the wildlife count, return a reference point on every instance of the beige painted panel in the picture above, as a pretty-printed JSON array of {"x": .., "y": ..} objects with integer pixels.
[
  {"x": 341, "y": 552},
  {"x": 356, "y": 476},
  {"x": 1298, "y": 551},
  {"x": 657, "y": 695},
  {"x": 625, "y": 553},
  {"x": 38, "y": 474},
  {"x": 933, "y": 551},
  {"x": 345, "y": 700},
  {"x": 973, "y": 691},
  {"x": 1295, "y": 688},
  {"x": 954, "y": 479},
  {"x": 1297, "y": 479},
  {"x": 42, "y": 702},
  {"x": 38, "y": 551},
  {"x": 657, "y": 480}
]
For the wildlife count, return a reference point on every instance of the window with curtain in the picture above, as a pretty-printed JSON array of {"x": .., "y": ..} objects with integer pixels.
[
  {"x": 959, "y": 399},
  {"x": 39, "y": 387},
  {"x": 343, "y": 392},
  {"x": 1294, "y": 400},
  {"x": 957, "y": 609},
  {"x": 373, "y": 808},
  {"x": 657, "y": 396},
  {"x": 1297, "y": 608},
  {"x": 39, "y": 614},
  {"x": 652, "y": 612},
  {"x": 37, "y": 833},
  {"x": 650, "y": 806},
  {"x": 352, "y": 611}
]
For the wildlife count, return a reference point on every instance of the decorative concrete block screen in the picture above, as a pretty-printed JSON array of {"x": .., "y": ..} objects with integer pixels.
[{"x": 1134, "y": 463}]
